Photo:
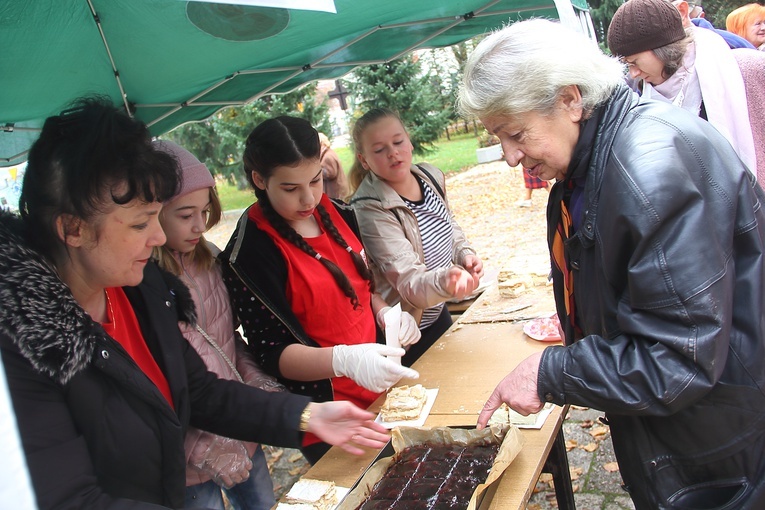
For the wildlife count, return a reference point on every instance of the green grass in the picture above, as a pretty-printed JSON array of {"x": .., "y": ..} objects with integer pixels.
[
  {"x": 453, "y": 155},
  {"x": 232, "y": 198}
]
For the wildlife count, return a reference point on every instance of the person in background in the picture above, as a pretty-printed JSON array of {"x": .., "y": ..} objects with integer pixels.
[
  {"x": 661, "y": 305},
  {"x": 419, "y": 255},
  {"x": 734, "y": 41},
  {"x": 748, "y": 21},
  {"x": 103, "y": 384},
  {"x": 335, "y": 180},
  {"x": 530, "y": 183},
  {"x": 689, "y": 67},
  {"x": 695, "y": 9},
  {"x": 751, "y": 64},
  {"x": 693, "y": 14},
  {"x": 299, "y": 283},
  {"x": 212, "y": 462}
]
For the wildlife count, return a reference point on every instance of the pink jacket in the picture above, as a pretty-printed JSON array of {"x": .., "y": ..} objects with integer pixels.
[
  {"x": 216, "y": 319},
  {"x": 752, "y": 65}
]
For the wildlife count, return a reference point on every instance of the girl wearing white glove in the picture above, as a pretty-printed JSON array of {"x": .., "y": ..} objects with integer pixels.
[{"x": 299, "y": 281}]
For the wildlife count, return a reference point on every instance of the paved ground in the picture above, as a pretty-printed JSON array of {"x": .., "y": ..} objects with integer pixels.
[{"x": 508, "y": 238}]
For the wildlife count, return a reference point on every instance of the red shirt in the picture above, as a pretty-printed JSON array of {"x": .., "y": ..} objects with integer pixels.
[
  {"x": 122, "y": 325},
  {"x": 319, "y": 304}
]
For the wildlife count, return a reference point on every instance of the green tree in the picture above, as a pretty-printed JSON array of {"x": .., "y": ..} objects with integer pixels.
[
  {"x": 218, "y": 141},
  {"x": 715, "y": 11},
  {"x": 602, "y": 11},
  {"x": 401, "y": 85},
  {"x": 461, "y": 52}
]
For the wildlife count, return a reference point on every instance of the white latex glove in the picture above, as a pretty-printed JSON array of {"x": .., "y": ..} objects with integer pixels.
[
  {"x": 226, "y": 461},
  {"x": 367, "y": 365},
  {"x": 408, "y": 329}
]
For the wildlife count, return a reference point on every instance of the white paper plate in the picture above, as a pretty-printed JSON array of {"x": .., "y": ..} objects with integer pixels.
[{"x": 420, "y": 421}]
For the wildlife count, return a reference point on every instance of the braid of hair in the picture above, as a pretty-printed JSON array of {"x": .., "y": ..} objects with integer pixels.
[
  {"x": 291, "y": 235},
  {"x": 358, "y": 260}
]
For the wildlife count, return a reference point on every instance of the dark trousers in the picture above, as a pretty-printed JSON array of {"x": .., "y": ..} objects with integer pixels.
[{"x": 314, "y": 452}]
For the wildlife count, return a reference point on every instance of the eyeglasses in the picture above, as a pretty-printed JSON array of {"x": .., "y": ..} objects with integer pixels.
[{"x": 627, "y": 63}]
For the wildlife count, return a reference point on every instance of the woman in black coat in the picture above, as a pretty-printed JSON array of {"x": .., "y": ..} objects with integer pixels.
[{"x": 103, "y": 384}]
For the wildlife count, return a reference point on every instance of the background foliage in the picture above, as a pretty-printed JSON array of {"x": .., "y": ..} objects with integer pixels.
[
  {"x": 422, "y": 87},
  {"x": 219, "y": 141},
  {"x": 402, "y": 86}
]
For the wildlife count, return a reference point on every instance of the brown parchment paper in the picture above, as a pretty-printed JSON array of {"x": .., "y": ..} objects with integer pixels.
[{"x": 507, "y": 435}]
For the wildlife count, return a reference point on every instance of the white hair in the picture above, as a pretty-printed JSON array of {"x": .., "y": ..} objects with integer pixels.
[{"x": 523, "y": 68}]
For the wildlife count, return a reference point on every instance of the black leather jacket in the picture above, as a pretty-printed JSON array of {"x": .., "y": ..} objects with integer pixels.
[{"x": 669, "y": 291}]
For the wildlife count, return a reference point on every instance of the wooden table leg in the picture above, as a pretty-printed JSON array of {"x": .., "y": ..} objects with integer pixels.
[{"x": 557, "y": 465}]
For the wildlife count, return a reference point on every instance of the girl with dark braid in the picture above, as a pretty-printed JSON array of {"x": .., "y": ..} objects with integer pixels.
[{"x": 299, "y": 282}]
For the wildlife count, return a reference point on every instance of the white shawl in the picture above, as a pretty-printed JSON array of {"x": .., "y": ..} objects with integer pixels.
[{"x": 715, "y": 73}]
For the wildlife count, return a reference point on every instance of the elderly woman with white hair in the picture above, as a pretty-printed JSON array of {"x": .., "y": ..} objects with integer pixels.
[{"x": 656, "y": 234}]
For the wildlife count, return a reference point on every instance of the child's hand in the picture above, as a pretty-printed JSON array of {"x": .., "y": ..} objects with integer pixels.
[
  {"x": 460, "y": 283},
  {"x": 473, "y": 265}
]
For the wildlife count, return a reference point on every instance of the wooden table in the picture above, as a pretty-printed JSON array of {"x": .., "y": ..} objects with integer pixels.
[
  {"x": 460, "y": 307},
  {"x": 466, "y": 364}
]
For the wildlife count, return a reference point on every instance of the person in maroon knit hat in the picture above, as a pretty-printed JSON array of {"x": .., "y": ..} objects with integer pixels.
[{"x": 692, "y": 68}]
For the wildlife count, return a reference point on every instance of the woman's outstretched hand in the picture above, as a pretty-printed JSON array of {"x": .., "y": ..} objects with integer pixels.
[{"x": 345, "y": 425}]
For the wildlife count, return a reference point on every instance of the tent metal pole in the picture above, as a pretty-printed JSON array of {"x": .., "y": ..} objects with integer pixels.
[{"x": 123, "y": 95}]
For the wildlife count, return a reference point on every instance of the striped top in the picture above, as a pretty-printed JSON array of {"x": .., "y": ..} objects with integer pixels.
[{"x": 436, "y": 231}]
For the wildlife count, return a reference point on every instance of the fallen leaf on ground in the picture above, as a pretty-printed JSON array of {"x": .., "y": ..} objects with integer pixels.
[
  {"x": 599, "y": 432},
  {"x": 576, "y": 472},
  {"x": 299, "y": 470},
  {"x": 611, "y": 466},
  {"x": 571, "y": 444},
  {"x": 295, "y": 457},
  {"x": 590, "y": 447},
  {"x": 586, "y": 424}
]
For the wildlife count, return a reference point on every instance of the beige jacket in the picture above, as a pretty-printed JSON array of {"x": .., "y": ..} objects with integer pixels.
[{"x": 393, "y": 245}]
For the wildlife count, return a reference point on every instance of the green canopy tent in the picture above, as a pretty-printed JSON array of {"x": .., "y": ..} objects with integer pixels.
[{"x": 172, "y": 61}]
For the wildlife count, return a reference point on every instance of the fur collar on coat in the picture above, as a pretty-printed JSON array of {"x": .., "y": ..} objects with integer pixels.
[{"x": 39, "y": 313}]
